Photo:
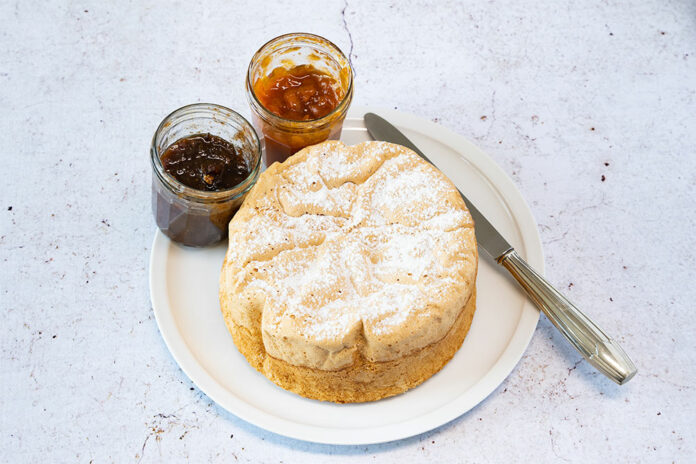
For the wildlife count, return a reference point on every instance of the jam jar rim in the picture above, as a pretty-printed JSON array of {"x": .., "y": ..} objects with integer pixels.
[
  {"x": 204, "y": 196},
  {"x": 254, "y": 100}
]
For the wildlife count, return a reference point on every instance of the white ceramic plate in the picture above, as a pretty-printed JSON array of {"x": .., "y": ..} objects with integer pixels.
[{"x": 184, "y": 292}]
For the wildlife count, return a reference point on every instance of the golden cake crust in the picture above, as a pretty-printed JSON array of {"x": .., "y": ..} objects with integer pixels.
[
  {"x": 350, "y": 272},
  {"x": 364, "y": 380}
]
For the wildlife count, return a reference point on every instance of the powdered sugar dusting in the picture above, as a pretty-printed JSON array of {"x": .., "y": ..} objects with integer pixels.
[{"x": 355, "y": 238}]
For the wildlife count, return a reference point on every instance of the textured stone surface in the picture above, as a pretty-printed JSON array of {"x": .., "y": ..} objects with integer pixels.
[{"x": 589, "y": 106}]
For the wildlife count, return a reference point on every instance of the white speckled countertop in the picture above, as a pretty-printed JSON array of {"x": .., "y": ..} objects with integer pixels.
[{"x": 589, "y": 106}]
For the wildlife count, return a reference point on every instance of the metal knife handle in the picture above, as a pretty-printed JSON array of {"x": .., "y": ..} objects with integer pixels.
[{"x": 595, "y": 346}]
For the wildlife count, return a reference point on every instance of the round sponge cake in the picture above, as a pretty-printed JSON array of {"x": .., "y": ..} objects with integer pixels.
[{"x": 350, "y": 273}]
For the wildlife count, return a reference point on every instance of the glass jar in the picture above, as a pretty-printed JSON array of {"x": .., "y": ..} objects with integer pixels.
[
  {"x": 196, "y": 217},
  {"x": 284, "y": 137}
]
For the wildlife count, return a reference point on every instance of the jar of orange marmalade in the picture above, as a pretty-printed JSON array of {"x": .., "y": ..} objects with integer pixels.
[{"x": 299, "y": 88}]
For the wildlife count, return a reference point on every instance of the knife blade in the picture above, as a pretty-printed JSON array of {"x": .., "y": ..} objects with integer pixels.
[{"x": 591, "y": 342}]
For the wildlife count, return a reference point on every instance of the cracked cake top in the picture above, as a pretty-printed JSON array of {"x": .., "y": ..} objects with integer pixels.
[{"x": 349, "y": 250}]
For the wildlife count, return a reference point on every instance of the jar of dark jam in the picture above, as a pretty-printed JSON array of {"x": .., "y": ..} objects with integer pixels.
[
  {"x": 225, "y": 140},
  {"x": 299, "y": 87}
]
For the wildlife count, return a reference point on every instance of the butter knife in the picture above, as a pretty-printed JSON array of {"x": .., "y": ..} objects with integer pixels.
[{"x": 593, "y": 344}]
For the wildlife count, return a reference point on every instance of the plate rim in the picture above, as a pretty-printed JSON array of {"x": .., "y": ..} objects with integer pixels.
[{"x": 474, "y": 395}]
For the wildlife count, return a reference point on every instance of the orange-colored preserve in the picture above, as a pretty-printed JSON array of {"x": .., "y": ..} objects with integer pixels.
[
  {"x": 301, "y": 93},
  {"x": 304, "y": 99}
]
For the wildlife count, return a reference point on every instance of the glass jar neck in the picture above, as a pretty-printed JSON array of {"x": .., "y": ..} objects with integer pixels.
[
  {"x": 166, "y": 134},
  {"x": 285, "y": 46}
]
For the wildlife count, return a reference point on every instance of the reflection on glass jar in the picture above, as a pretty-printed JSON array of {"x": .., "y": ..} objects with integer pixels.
[
  {"x": 188, "y": 215},
  {"x": 299, "y": 87}
]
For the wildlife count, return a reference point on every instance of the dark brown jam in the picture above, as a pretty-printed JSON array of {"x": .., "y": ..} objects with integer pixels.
[{"x": 205, "y": 162}]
